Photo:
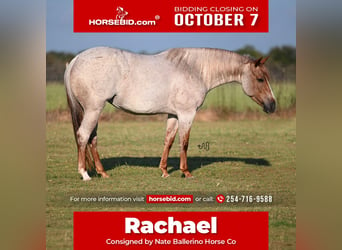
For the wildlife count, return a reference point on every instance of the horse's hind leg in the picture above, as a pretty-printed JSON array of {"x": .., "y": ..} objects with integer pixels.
[
  {"x": 88, "y": 125},
  {"x": 171, "y": 130},
  {"x": 93, "y": 149}
]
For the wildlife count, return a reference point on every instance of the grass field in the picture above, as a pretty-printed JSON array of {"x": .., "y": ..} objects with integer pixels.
[
  {"x": 245, "y": 157},
  {"x": 227, "y": 97}
]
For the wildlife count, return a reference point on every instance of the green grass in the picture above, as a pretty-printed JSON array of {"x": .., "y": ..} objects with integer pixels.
[
  {"x": 228, "y": 97},
  {"x": 245, "y": 157},
  {"x": 56, "y": 97}
]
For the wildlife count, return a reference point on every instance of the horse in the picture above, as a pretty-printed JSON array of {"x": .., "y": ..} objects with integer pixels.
[{"x": 173, "y": 82}]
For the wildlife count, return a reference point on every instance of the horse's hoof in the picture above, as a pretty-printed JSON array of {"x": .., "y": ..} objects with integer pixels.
[
  {"x": 165, "y": 175},
  {"x": 187, "y": 174},
  {"x": 104, "y": 175},
  {"x": 85, "y": 176}
]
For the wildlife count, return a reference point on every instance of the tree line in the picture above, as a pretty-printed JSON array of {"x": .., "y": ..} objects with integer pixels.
[{"x": 281, "y": 64}]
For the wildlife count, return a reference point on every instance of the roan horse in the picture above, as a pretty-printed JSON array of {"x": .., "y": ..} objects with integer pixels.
[{"x": 173, "y": 82}]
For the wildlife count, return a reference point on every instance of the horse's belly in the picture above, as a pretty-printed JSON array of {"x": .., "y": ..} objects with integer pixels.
[
  {"x": 143, "y": 94},
  {"x": 135, "y": 104}
]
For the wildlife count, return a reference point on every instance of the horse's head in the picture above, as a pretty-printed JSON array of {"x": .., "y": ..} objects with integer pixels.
[{"x": 255, "y": 84}]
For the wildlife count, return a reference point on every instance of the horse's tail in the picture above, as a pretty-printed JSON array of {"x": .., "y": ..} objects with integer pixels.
[{"x": 76, "y": 111}]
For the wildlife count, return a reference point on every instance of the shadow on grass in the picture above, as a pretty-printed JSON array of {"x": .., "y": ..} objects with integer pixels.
[{"x": 193, "y": 162}]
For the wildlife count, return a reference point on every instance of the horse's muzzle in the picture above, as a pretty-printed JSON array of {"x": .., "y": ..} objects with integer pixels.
[{"x": 270, "y": 107}]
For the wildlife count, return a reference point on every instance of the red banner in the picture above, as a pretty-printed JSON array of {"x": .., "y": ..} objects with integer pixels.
[
  {"x": 170, "y": 230},
  {"x": 171, "y": 16}
]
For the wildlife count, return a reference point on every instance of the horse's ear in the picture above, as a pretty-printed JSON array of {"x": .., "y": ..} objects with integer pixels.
[
  {"x": 260, "y": 61},
  {"x": 257, "y": 62},
  {"x": 264, "y": 59}
]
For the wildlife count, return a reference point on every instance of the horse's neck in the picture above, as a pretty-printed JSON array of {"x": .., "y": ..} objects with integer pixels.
[
  {"x": 222, "y": 68},
  {"x": 213, "y": 66}
]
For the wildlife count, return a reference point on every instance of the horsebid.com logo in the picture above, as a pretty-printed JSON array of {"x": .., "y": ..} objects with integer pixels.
[{"x": 120, "y": 19}]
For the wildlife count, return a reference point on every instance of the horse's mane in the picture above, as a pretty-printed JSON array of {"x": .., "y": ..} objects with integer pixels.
[{"x": 206, "y": 61}]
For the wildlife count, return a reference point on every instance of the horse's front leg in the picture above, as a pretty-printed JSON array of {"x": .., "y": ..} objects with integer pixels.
[
  {"x": 171, "y": 130},
  {"x": 185, "y": 123}
]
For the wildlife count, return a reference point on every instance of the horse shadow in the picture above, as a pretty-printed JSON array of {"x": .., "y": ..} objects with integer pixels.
[{"x": 193, "y": 162}]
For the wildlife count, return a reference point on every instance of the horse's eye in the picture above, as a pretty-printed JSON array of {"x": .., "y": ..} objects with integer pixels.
[{"x": 260, "y": 79}]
